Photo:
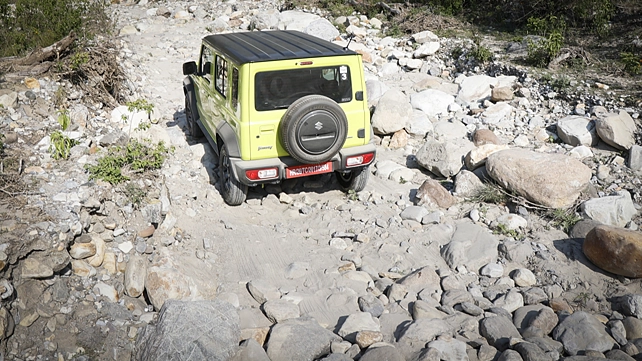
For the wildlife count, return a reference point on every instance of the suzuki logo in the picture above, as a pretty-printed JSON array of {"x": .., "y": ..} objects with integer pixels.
[{"x": 318, "y": 125}]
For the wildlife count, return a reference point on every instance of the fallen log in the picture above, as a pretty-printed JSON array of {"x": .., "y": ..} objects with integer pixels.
[{"x": 39, "y": 55}]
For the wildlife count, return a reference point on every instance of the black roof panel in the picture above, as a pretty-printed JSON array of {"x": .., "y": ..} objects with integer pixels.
[{"x": 256, "y": 46}]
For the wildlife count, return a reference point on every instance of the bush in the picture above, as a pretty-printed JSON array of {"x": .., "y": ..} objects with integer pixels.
[
  {"x": 551, "y": 29},
  {"x": 30, "y": 24},
  {"x": 632, "y": 63},
  {"x": 135, "y": 157}
]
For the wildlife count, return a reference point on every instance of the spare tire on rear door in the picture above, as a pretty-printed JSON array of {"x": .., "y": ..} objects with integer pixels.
[{"x": 313, "y": 129}]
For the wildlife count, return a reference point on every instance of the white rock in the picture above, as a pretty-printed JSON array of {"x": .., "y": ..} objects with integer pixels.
[{"x": 523, "y": 277}]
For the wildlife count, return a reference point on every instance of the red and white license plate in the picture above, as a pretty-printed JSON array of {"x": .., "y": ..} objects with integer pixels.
[{"x": 308, "y": 169}]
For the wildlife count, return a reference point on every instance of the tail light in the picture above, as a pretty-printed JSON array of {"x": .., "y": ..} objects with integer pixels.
[
  {"x": 262, "y": 174},
  {"x": 358, "y": 160}
]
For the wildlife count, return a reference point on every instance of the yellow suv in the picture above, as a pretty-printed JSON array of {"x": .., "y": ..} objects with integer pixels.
[{"x": 278, "y": 105}]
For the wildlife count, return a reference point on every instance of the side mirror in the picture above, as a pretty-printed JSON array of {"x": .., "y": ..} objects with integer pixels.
[
  {"x": 207, "y": 68},
  {"x": 189, "y": 68}
]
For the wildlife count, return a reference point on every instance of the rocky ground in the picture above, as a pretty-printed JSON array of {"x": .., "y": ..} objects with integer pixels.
[{"x": 454, "y": 251}]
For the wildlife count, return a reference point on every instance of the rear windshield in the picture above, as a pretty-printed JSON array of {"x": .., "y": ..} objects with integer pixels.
[{"x": 279, "y": 89}]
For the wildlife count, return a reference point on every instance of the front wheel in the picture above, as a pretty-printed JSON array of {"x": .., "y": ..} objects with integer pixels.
[
  {"x": 354, "y": 180},
  {"x": 194, "y": 130},
  {"x": 233, "y": 191}
]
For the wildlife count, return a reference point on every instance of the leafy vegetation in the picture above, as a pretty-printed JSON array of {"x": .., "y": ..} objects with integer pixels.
[
  {"x": 30, "y": 24},
  {"x": 632, "y": 63},
  {"x": 551, "y": 31},
  {"x": 564, "y": 219},
  {"x": 135, "y": 157},
  {"x": 504, "y": 230},
  {"x": 61, "y": 144},
  {"x": 481, "y": 53}
]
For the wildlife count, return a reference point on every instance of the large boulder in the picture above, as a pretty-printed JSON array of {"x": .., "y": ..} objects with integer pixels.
[
  {"x": 498, "y": 330},
  {"x": 190, "y": 330},
  {"x": 392, "y": 113},
  {"x": 552, "y": 180},
  {"x": 179, "y": 276},
  {"x": 616, "y": 210},
  {"x": 471, "y": 246},
  {"x": 415, "y": 336},
  {"x": 615, "y": 250},
  {"x": 577, "y": 130},
  {"x": 581, "y": 331},
  {"x": 299, "y": 339},
  {"x": 617, "y": 130},
  {"x": 444, "y": 159},
  {"x": 432, "y": 101}
]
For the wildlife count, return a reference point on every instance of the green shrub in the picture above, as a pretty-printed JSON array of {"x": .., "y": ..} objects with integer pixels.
[
  {"x": 481, "y": 53},
  {"x": 135, "y": 157},
  {"x": 632, "y": 63},
  {"x": 552, "y": 29},
  {"x": 30, "y": 24}
]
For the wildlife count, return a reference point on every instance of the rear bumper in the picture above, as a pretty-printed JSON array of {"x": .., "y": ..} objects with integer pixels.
[{"x": 240, "y": 167}]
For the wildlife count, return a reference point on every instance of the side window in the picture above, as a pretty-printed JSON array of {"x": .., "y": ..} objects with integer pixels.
[
  {"x": 206, "y": 63},
  {"x": 235, "y": 88},
  {"x": 221, "y": 75}
]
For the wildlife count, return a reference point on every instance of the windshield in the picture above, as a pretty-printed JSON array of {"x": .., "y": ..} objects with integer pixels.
[{"x": 279, "y": 89}]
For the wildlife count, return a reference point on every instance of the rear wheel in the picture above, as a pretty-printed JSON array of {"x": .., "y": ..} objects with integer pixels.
[
  {"x": 354, "y": 180},
  {"x": 233, "y": 191},
  {"x": 194, "y": 130}
]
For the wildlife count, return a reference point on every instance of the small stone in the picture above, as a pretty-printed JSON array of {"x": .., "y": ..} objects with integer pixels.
[
  {"x": 366, "y": 338},
  {"x": 523, "y": 277},
  {"x": 494, "y": 270},
  {"x": 147, "y": 232},
  {"x": 280, "y": 310}
]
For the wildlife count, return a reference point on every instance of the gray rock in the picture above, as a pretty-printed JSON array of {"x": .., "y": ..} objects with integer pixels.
[
  {"x": 251, "y": 350},
  {"x": 207, "y": 330},
  {"x": 450, "y": 349},
  {"x": 552, "y": 180},
  {"x": 334, "y": 357},
  {"x": 362, "y": 321},
  {"x": 415, "y": 213},
  {"x": 616, "y": 210},
  {"x": 280, "y": 310},
  {"x": 479, "y": 87},
  {"x": 583, "y": 227},
  {"x": 618, "y": 355},
  {"x": 444, "y": 158},
  {"x": 523, "y": 277},
  {"x": 432, "y": 102},
  {"x": 632, "y": 327},
  {"x": 419, "y": 124},
  {"x": 323, "y": 29},
  {"x": 581, "y": 331},
  {"x": 534, "y": 295},
  {"x": 471, "y": 246},
  {"x": 423, "y": 309},
  {"x": 498, "y": 330},
  {"x": 135, "y": 275},
  {"x": 392, "y": 112},
  {"x": 471, "y": 308},
  {"x": 418, "y": 333},
  {"x": 631, "y": 305},
  {"x": 635, "y": 157},
  {"x": 539, "y": 316},
  {"x": 380, "y": 353},
  {"x": 530, "y": 352},
  {"x": 375, "y": 90},
  {"x": 494, "y": 270},
  {"x": 576, "y": 130},
  {"x": 467, "y": 184},
  {"x": 510, "y": 355},
  {"x": 618, "y": 331},
  {"x": 369, "y": 303},
  {"x": 299, "y": 339},
  {"x": 617, "y": 130}
]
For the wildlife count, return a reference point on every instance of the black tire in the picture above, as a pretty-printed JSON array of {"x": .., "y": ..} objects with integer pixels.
[
  {"x": 313, "y": 129},
  {"x": 232, "y": 191},
  {"x": 354, "y": 180},
  {"x": 193, "y": 128}
]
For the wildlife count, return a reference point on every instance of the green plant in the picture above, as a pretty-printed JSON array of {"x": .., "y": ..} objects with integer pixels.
[
  {"x": 61, "y": 144},
  {"x": 480, "y": 53},
  {"x": 135, "y": 157},
  {"x": 143, "y": 126},
  {"x": 563, "y": 218},
  {"x": 552, "y": 29},
  {"x": 352, "y": 195},
  {"x": 30, "y": 24},
  {"x": 457, "y": 52},
  {"x": 504, "y": 230},
  {"x": 134, "y": 193},
  {"x": 78, "y": 59},
  {"x": 632, "y": 63},
  {"x": 491, "y": 193}
]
